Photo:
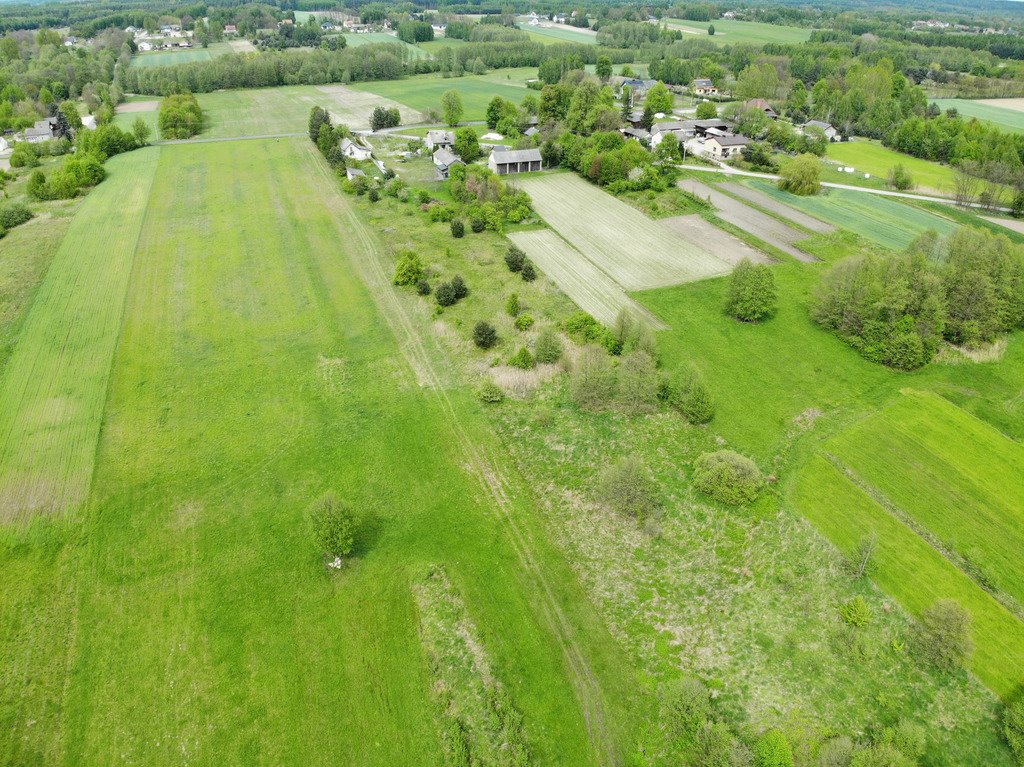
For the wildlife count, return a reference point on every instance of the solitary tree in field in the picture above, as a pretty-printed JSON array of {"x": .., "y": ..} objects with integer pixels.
[
  {"x": 751, "y": 296},
  {"x": 801, "y": 175},
  {"x": 141, "y": 131},
  {"x": 711, "y": 29},
  {"x": 451, "y": 107},
  {"x": 333, "y": 526},
  {"x": 944, "y": 635}
]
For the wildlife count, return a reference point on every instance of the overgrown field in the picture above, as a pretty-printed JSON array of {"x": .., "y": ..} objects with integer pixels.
[
  {"x": 635, "y": 251},
  {"x": 423, "y": 92},
  {"x": 1006, "y": 113},
  {"x": 731, "y": 31},
  {"x": 185, "y": 614},
  {"x": 871, "y": 157}
]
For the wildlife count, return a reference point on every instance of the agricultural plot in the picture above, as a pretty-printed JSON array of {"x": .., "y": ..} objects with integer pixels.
[
  {"x": 695, "y": 228},
  {"x": 635, "y": 251},
  {"x": 957, "y": 464},
  {"x": 732, "y": 32},
  {"x": 182, "y": 56},
  {"x": 424, "y": 92},
  {"x": 879, "y": 219},
  {"x": 557, "y": 33},
  {"x": 871, "y": 157},
  {"x": 54, "y": 387},
  {"x": 739, "y": 214},
  {"x": 1007, "y": 114},
  {"x": 780, "y": 209},
  {"x": 592, "y": 289},
  {"x": 271, "y": 111},
  {"x": 410, "y": 51},
  {"x": 911, "y": 570}
]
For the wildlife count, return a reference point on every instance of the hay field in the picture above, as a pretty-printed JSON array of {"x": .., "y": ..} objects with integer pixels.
[
  {"x": 182, "y": 55},
  {"x": 732, "y": 31},
  {"x": 1007, "y": 114},
  {"x": 423, "y": 92},
  {"x": 635, "y": 251}
]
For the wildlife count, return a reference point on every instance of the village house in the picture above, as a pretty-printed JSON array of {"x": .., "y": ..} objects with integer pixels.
[
  {"x": 703, "y": 87},
  {"x": 444, "y": 159},
  {"x": 762, "y": 106},
  {"x": 43, "y": 130},
  {"x": 638, "y": 88},
  {"x": 830, "y": 132},
  {"x": 230, "y": 29},
  {"x": 144, "y": 46},
  {"x": 679, "y": 128},
  {"x": 724, "y": 147},
  {"x": 515, "y": 161},
  {"x": 636, "y": 134},
  {"x": 437, "y": 139},
  {"x": 355, "y": 151},
  {"x": 353, "y": 173}
]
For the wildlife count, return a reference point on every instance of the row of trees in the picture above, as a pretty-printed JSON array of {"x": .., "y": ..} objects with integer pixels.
[{"x": 180, "y": 116}]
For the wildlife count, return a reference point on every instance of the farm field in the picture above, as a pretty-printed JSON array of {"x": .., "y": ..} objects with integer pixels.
[
  {"x": 256, "y": 367},
  {"x": 869, "y": 156},
  {"x": 423, "y": 92},
  {"x": 365, "y": 38},
  {"x": 780, "y": 209},
  {"x": 879, "y": 219},
  {"x": 559, "y": 34},
  {"x": 1007, "y": 114},
  {"x": 635, "y": 251},
  {"x": 435, "y": 45},
  {"x": 732, "y": 32},
  {"x": 184, "y": 56}
]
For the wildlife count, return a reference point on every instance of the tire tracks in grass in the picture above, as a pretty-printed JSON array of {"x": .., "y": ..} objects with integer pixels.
[{"x": 486, "y": 467}]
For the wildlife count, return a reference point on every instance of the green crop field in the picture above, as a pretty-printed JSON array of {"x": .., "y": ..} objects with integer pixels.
[
  {"x": 548, "y": 35},
  {"x": 423, "y": 92},
  {"x": 183, "y": 609},
  {"x": 732, "y": 32},
  {"x": 871, "y": 157},
  {"x": 882, "y": 220},
  {"x": 182, "y": 56},
  {"x": 1004, "y": 113},
  {"x": 433, "y": 46},
  {"x": 365, "y": 38}
]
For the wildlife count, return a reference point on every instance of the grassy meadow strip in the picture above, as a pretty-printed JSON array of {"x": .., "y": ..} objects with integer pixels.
[
  {"x": 423, "y": 92},
  {"x": 882, "y": 220},
  {"x": 592, "y": 290},
  {"x": 912, "y": 571},
  {"x": 871, "y": 157},
  {"x": 54, "y": 386},
  {"x": 552, "y": 34},
  {"x": 255, "y": 372},
  {"x": 732, "y": 32},
  {"x": 411, "y": 51},
  {"x": 1003, "y": 113},
  {"x": 634, "y": 250},
  {"x": 954, "y": 474}
]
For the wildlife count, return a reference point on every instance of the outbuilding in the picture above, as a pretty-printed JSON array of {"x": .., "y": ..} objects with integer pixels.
[
  {"x": 444, "y": 159},
  {"x": 355, "y": 151},
  {"x": 515, "y": 161},
  {"x": 830, "y": 132}
]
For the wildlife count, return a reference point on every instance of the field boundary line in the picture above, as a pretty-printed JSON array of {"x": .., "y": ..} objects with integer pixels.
[
  {"x": 493, "y": 481},
  {"x": 953, "y": 557}
]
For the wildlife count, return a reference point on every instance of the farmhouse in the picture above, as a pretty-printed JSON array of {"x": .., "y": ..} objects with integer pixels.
[
  {"x": 726, "y": 146},
  {"x": 355, "y": 151},
  {"x": 444, "y": 159},
  {"x": 515, "y": 161},
  {"x": 230, "y": 29},
  {"x": 830, "y": 132},
  {"x": 762, "y": 106},
  {"x": 637, "y": 87},
  {"x": 703, "y": 87},
  {"x": 440, "y": 138},
  {"x": 636, "y": 134},
  {"x": 43, "y": 130},
  {"x": 353, "y": 173}
]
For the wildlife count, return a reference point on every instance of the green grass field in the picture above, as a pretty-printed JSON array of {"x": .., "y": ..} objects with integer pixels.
[
  {"x": 549, "y": 35},
  {"x": 184, "y": 56},
  {"x": 435, "y": 45},
  {"x": 184, "y": 609},
  {"x": 879, "y": 219},
  {"x": 989, "y": 111},
  {"x": 732, "y": 32},
  {"x": 871, "y": 157},
  {"x": 423, "y": 92},
  {"x": 412, "y": 51}
]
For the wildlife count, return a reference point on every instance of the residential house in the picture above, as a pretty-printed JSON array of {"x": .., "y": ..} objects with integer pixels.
[
  {"x": 230, "y": 29},
  {"x": 444, "y": 159},
  {"x": 355, "y": 151},
  {"x": 762, "y": 106},
  {"x": 43, "y": 130},
  {"x": 144, "y": 46},
  {"x": 637, "y": 134},
  {"x": 354, "y": 173},
  {"x": 638, "y": 88},
  {"x": 830, "y": 132},
  {"x": 437, "y": 139},
  {"x": 724, "y": 147},
  {"x": 703, "y": 87},
  {"x": 515, "y": 161}
]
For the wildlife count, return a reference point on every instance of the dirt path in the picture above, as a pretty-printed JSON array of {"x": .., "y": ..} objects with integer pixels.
[
  {"x": 1013, "y": 224},
  {"x": 763, "y": 201},
  {"x": 486, "y": 468},
  {"x": 759, "y": 224}
]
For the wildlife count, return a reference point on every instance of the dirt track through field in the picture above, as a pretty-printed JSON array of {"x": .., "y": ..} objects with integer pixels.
[
  {"x": 787, "y": 212},
  {"x": 759, "y": 224}
]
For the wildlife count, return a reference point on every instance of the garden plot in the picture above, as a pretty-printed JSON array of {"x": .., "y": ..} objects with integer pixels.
[
  {"x": 592, "y": 290},
  {"x": 759, "y": 224},
  {"x": 728, "y": 248},
  {"x": 787, "y": 212},
  {"x": 635, "y": 251}
]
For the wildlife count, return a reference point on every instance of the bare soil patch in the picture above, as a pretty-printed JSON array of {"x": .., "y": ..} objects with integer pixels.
[
  {"x": 132, "y": 107},
  {"x": 241, "y": 46},
  {"x": 730, "y": 249},
  {"x": 1017, "y": 105}
]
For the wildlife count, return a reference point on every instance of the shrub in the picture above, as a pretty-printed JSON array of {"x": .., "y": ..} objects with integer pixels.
[
  {"x": 423, "y": 287},
  {"x": 638, "y": 382},
  {"x": 592, "y": 382},
  {"x": 445, "y": 294},
  {"x": 477, "y": 224},
  {"x": 458, "y": 228},
  {"x": 490, "y": 392},
  {"x": 333, "y": 526},
  {"x": 751, "y": 295},
  {"x": 484, "y": 335},
  {"x": 374, "y": 195},
  {"x": 586, "y": 329},
  {"x": 687, "y": 709},
  {"x": 528, "y": 273},
  {"x": 772, "y": 750},
  {"x": 801, "y": 175},
  {"x": 728, "y": 477},
  {"x": 13, "y": 215},
  {"x": 549, "y": 347},
  {"x": 856, "y": 612},
  {"x": 900, "y": 178},
  {"x": 459, "y": 286},
  {"x": 524, "y": 322},
  {"x": 944, "y": 635},
  {"x": 522, "y": 359},
  {"x": 690, "y": 396},
  {"x": 626, "y": 488},
  {"x": 408, "y": 269},
  {"x": 515, "y": 258},
  {"x": 859, "y": 562},
  {"x": 512, "y": 305},
  {"x": 1013, "y": 728},
  {"x": 24, "y": 156}
]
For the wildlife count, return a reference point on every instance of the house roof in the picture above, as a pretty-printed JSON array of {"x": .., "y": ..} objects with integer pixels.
[
  {"x": 819, "y": 124},
  {"x": 445, "y": 157},
  {"x": 758, "y": 104},
  {"x": 730, "y": 140},
  {"x": 441, "y": 136},
  {"x": 353, "y": 172},
  {"x": 531, "y": 131},
  {"x": 33, "y": 132},
  {"x": 347, "y": 142},
  {"x": 671, "y": 125},
  {"x": 635, "y": 132},
  {"x": 516, "y": 155},
  {"x": 703, "y": 82}
]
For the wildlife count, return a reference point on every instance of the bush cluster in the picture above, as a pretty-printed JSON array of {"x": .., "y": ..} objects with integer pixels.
[
  {"x": 12, "y": 215},
  {"x": 180, "y": 116},
  {"x": 728, "y": 477},
  {"x": 751, "y": 295},
  {"x": 627, "y": 488},
  {"x": 333, "y": 526},
  {"x": 450, "y": 293}
]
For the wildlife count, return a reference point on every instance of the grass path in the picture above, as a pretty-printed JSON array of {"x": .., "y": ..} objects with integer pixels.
[{"x": 54, "y": 386}]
